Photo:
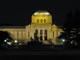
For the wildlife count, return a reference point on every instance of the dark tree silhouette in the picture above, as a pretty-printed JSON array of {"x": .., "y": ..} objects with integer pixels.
[
  {"x": 3, "y": 36},
  {"x": 73, "y": 21}
]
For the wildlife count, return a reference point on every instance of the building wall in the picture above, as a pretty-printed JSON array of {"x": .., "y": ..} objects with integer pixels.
[
  {"x": 25, "y": 34},
  {"x": 41, "y": 20},
  {"x": 16, "y": 33},
  {"x": 52, "y": 32}
]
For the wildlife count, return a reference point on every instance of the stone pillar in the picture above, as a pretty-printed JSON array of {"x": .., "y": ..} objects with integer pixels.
[
  {"x": 33, "y": 34},
  {"x": 15, "y": 35},
  {"x": 55, "y": 35},
  {"x": 24, "y": 35},
  {"x": 39, "y": 34},
  {"x": 11, "y": 34},
  {"x": 20, "y": 35},
  {"x": 43, "y": 35},
  {"x": 28, "y": 34}
]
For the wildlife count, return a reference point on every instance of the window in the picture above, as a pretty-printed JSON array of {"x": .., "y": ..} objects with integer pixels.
[
  {"x": 36, "y": 35},
  {"x": 45, "y": 31},
  {"x": 41, "y": 32},
  {"x": 36, "y": 31},
  {"x": 44, "y": 20},
  {"x": 41, "y": 38},
  {"x": 45, "y": 34},
  {"x": 53, "y": 34},
  {"x": 37, "y": 20},
  {"x": 45, "y": 37}
]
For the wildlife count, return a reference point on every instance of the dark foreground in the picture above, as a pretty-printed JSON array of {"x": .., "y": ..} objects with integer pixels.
[{"x": 57, "y": 51}]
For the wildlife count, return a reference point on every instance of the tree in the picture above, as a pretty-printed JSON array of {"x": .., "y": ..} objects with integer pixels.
[
  {"x": 4, "y": 35},
  {"x": 72, "y": 24}
]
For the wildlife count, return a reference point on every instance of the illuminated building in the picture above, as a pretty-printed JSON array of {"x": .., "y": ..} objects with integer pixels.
[{"x": 41, "y": 26}]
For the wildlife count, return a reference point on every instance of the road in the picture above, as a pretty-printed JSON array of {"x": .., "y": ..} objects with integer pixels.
[{"x": 41, "y": 51}]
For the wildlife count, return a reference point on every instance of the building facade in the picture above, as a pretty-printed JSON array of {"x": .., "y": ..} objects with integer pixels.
[{"x": 41, "y": 29}]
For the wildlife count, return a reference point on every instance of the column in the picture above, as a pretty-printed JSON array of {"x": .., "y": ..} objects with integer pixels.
[
  {"x": 28, "y": 35},
  {"x": 20, "y": 35},
  {"x": 15, "y": 35},
  {"x": 39, "y": 34},
  {"x": 43, "y": 35},
  {"x": 11, "y": 34},
  {"x": 24, "y": 35}
]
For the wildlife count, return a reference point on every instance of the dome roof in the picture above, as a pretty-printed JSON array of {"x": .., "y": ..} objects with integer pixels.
[
  {"x": 41, "y": 13},
  {"x": 41, "y": 17}
]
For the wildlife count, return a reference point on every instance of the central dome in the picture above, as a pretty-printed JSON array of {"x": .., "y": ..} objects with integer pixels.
[
  {"x": 41, "y": 17},
  {"x": 41, "y": 13}
]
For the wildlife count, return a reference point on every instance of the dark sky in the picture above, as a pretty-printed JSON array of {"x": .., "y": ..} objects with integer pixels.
[{"x": 19, "y": 12}]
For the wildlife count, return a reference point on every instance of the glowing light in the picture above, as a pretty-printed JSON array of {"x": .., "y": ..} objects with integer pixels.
[
  {"x": 41, "y": 17},
  {"x": 5, "y": 40},
  {"x": 71, "y": 42},
  {"x": 15, "y": 41},
  {"x": 41, "y": 13},
  {"x": 9, "y": 43},
  {"x": 63, "y": 40},
  {"x": 20, "y": 44}
]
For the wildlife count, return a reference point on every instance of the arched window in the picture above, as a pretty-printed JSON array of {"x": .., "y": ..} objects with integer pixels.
[
  {"x": 41, "y": 38},
  {"x": 36, "y": 35},
  {"x": 36, "y": 31},
  {"x": 41, "y": 32},
  {"x": 45, "y": 31},
  {"x": 45, "y": 34},
  {"x": 44, "y": 20},
  {"x": 45, "y": 37},
  {"x": 37, "y": 20}
]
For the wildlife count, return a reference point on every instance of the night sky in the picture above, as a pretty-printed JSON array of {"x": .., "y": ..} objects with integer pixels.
[{"x": 19, "y": 12}]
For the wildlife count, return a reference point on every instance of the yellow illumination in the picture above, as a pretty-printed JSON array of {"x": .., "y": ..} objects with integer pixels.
[
  {"x": 41, "y": 17},
  {"x": 41, "y": 13}
]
